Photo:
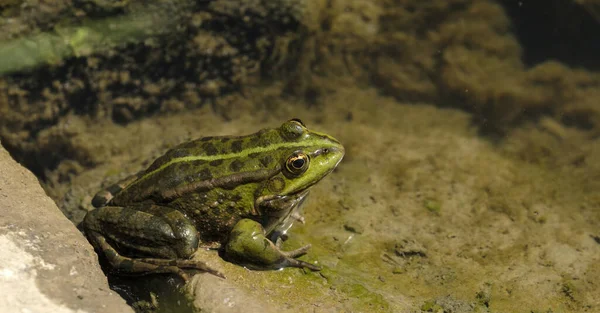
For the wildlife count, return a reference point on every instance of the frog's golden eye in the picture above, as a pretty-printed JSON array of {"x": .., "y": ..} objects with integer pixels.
[
  {"x": 293, "y": 129},
  {"x": 297, "y": 163}
]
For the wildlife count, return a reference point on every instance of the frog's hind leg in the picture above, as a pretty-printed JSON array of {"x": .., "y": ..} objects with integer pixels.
[
  {"x": 145, "y": 231},
  {"x": 128, "y": 265}
]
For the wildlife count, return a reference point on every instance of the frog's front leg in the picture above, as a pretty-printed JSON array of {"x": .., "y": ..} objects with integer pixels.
[
  {"x": 248, "y": 244},
  {"x": 147, "y": 230}
]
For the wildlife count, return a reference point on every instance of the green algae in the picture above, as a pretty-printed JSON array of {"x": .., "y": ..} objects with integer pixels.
[
  {"x": 432, "y": 206},
  {"x": 93, "y": 36},
  {"x": 431, "y": 306}
]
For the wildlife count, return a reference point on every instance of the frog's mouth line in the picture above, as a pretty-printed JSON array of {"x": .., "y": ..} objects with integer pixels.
[{"x": 261, "y": 201}]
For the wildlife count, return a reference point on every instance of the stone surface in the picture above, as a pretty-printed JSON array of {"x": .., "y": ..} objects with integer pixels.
[
  {"x": 46, "y": 265},
  {"x": 213, "y": 294}
]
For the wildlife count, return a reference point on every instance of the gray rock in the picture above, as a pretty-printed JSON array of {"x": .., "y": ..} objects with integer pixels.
[
  {"x": 213, "y": 294},
  {"x": 46, "y": 264}
]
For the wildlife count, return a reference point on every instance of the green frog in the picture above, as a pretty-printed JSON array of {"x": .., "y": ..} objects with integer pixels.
[{"x": 239, "y": 194}]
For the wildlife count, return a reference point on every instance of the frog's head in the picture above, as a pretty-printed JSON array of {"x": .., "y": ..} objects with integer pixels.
[{"x": 305, "y": 157}]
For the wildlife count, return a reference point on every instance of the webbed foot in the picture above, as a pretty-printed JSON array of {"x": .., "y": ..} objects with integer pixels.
[
  {"x": 126, "y": 265},
  {"x": 248, "y": 245}
]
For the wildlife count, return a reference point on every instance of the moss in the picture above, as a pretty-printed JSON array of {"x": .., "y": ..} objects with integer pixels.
[
  {"x": 432, "y": 206},
  {"x": 431, "y": 306},
  {"x": 365, "y": 299},
  {"x": 569, "y": 290}
]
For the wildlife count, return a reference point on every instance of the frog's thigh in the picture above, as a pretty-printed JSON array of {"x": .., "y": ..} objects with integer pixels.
[
  {"x": 247, "y": 244},
  {"x": 129, "y": 265},
  {"x": 153, "y": 230}
]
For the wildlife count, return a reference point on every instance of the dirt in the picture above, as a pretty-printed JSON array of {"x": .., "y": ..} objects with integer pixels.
[{"x": 469, "y": 178}]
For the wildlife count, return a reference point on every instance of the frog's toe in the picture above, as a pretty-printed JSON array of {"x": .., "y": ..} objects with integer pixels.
[
  {"x": 174, "y": 270},
  {"x": 298, "y": 217},
  {"x": 201, "y": 266},
  {"x": 298, "y": 252},
  {"x": 291, "y": 262},
  {"x": 187, "y": 264}
]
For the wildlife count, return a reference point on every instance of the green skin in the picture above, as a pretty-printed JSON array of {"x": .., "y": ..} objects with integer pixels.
[{"x": 241, "y": 193}]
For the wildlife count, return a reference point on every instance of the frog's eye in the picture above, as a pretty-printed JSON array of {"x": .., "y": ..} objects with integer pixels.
[
  {"x": 297, "y": 163},
  {"x": 293, "y": 129},
  {"x": 297, "y": 120}
]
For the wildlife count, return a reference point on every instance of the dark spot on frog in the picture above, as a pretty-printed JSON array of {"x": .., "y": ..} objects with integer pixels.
[
  {"x": 263, "y": 140},
  {"x": 276, "y": 184},
  {"x": 197, "y": 164},
  {"x": 266, "y": 160},
  {"x": 190, "y": 144},
  {"x": 206, "y": 138},
  {"x": 216, "y": 162},
  {"x": 236, "y": 146},
  {"x": 204, "y": 174},
  {"x": 179, "y": 153},
  {"x": 255, "y": 141},
  {"x": 236, "y": 166},
  {"x": 210, "y": 149},
  {"x": 231, "y": 209},
  {"x": 160, "y": 161},
  {"x": 183, "y": 166},
  {"x": 174, "y": 182},
  {"x": 235, "y": 198},
  {"x": 216, "y": 211},
  {"x": 254, "y": 155},
  {"x": 114, "y": 189},
  {"x": 225, "y": 139}
]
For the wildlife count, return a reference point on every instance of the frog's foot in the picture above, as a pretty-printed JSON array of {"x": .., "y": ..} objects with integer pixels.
[
  {"x": 180, "y": 264},
  {"x": 293, "y": 262},
  {"x": 141, "y": 266},
  {"x": 298, "y": 217},
  {"x": 247, "y": 244},
  {"x": 298, "y": 252}
]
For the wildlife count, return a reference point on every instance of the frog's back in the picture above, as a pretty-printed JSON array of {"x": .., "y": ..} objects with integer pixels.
[{"x": 202, "y": 164}]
